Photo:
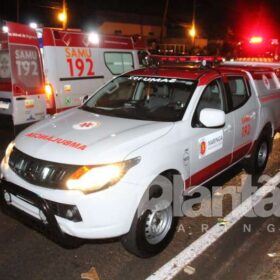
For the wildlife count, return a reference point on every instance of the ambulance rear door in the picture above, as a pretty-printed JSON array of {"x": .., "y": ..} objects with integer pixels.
[{"x": 27, "y": 78}]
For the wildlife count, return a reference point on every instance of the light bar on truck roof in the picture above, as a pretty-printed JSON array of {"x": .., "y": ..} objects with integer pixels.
[
  {"x": 176, "y": 60},
  {"x": 185, "y": 59},
  {"x": 254, "y": 59}
]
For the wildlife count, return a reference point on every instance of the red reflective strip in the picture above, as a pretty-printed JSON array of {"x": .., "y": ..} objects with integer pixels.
[
  {"x": 241, "y": 151},
  {"x": 6, "y": 86},
  {"x": 210, "y": 171},
  {"x": 270, "y": 98}
]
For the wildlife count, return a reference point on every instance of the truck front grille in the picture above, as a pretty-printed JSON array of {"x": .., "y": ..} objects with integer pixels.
[{"x": 39, "y": 172}]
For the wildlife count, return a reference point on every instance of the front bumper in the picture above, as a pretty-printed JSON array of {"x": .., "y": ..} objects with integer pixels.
[
  {"x": 104, "y": 214},
  {"x": 32, "y": 208}
]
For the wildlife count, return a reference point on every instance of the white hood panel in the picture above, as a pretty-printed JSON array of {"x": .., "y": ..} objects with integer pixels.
[{"x": 79, "y": 137}]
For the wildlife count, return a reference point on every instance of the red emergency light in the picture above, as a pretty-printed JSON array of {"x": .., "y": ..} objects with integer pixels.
[{"x": 256, "y": 40}]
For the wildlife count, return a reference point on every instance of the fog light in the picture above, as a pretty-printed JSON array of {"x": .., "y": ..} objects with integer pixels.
[
  {"x": 69, "y": 214},
  {"x": 43, "y": 217},
  {"x": 7, "y": 197}
]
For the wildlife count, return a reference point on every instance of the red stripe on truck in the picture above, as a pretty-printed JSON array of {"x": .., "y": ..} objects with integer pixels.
[
  {"x": 211, "y": 170},
  {"x": 270, "y": 98}
]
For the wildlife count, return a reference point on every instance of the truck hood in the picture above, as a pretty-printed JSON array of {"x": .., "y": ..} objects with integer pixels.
[{"x": 83, "y": 138}]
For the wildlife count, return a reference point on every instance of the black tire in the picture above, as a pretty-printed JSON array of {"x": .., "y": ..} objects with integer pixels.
[
  {"x": 256, "y": 164},
  {"x": 140, "y": 241}
]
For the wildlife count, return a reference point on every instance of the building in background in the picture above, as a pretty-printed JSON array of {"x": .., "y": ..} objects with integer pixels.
[{"x": 176, "y": 35}]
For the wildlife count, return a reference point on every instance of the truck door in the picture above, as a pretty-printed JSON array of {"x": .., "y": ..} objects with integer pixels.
[
  {"x": 27, "y": 79},
  {"x": 211, "y": 150},
  {"x": 244, "y": 107}
]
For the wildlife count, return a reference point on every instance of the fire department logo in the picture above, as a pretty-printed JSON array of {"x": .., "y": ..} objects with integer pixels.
[
  {"x": 203, "y": 148},
  {"x": 266, "y": 81},
  {"x": 86, "y": 125}
]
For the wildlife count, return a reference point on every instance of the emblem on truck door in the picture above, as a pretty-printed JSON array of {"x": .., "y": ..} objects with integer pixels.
[{"x": 210, "y": 143}]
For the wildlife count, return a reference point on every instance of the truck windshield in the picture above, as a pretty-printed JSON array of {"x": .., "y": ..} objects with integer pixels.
[{"x": 143, "y": 98}]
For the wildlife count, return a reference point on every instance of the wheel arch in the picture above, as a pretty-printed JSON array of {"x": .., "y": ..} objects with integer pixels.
[{"x": 268, "y": 131}]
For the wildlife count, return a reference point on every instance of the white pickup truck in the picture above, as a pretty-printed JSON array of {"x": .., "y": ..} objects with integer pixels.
[{"x": 85, "y": 172}]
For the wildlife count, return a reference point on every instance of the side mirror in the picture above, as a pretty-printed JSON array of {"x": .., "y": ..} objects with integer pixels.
[
  {"x": 85, "y": 98},
  {"x": 212, "y": 118}
]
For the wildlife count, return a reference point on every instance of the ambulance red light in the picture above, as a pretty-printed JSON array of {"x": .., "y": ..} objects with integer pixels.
[
  {"x": 33, "y": 25},
  {"x": 256, "y": 40},
  {"x": 5, "y": 29},
  {"x": 93, "y": 38},
  {"x": 182, "y": 59}
]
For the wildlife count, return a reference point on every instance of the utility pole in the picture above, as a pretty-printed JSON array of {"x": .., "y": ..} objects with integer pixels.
[
  {"x": 64, "y": 11},
  {"x": 164, "y": 20},
  {"x": 193, "y": 23},
  {"x": 17, "y": 10}
]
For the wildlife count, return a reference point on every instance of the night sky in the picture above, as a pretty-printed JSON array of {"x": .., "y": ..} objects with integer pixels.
[{"x": 215, "y": 18}]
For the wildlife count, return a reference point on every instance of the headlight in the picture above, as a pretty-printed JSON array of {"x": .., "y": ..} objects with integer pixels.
[
  {"x": 8, "y": 152},
  {"x": 94, "y": 178}
]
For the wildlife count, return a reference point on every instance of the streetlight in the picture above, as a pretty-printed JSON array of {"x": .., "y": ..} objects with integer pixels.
[
  {"x": 62, "y": 16},
  {"x": 192, "y": 32}
]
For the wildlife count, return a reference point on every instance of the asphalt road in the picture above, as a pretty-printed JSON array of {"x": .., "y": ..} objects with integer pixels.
[{"x": 27, "y": 254}]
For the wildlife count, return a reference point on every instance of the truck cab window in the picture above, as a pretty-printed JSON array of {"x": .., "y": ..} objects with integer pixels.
[{"x": 238, "y": 91}]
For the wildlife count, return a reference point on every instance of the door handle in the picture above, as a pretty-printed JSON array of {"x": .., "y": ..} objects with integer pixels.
[
  {"x": 228, "y": 128},
  {"x": 253, "y": 115}
]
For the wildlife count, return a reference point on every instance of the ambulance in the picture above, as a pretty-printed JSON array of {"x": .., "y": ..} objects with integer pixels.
[{"x": 48, "y": 70}]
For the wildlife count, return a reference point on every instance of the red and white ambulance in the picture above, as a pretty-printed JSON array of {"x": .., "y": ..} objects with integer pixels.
[{"x": 50, "y": 70}]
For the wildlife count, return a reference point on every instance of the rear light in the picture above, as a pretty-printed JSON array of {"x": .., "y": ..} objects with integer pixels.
[{"x": 49, "y": 93}]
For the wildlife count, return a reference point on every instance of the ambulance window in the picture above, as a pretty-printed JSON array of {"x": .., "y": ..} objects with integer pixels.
[
  {"x": 238, "y": 91},
  {"x": 118, "y": 62},
  {"x": 5, "y": 66},
  {"x": 142, "y": 56}
]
